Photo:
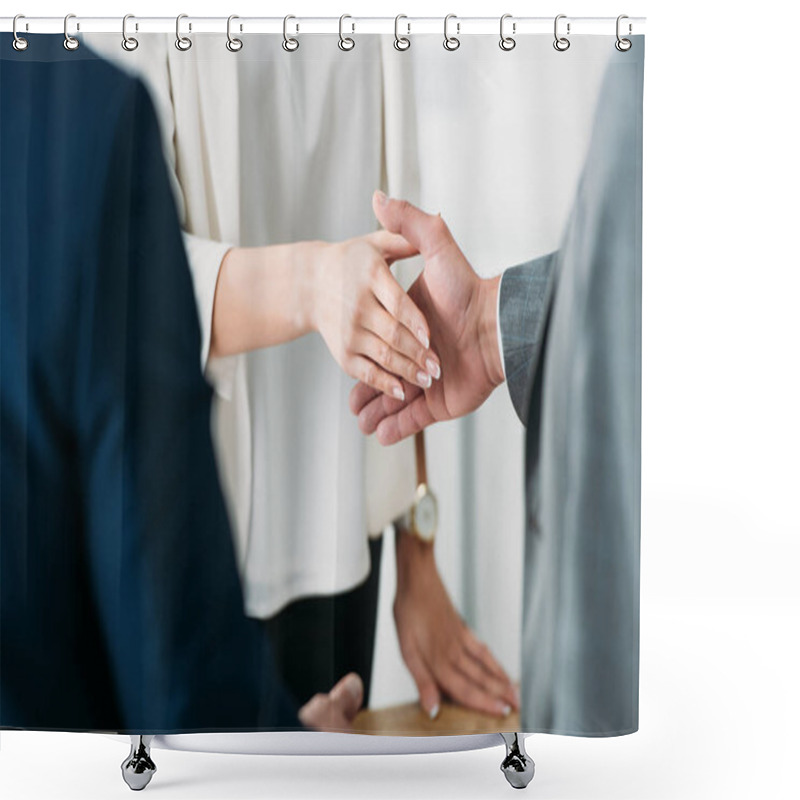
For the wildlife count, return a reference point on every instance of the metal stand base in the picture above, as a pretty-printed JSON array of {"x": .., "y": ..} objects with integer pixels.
[
  {"x": 517, "y": 766},
  {"x": 138, "y": 768}
]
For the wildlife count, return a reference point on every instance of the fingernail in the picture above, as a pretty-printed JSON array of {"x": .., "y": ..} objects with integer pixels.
[
  {"x": 434, "y": 712},
  {"x": 399, "y": 393},
  {"x": 504, "y": 709},
  {"x": 355, "y": 686},
  {"x": 423, "y": 337},
  {"x": 382, "y": 198},
  {"x": 433, "y": 368},
  {"x": 424, "y": 380}
]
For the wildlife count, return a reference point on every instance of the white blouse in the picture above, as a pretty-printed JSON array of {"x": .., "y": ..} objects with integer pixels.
[{"x": 261, "y": 156}]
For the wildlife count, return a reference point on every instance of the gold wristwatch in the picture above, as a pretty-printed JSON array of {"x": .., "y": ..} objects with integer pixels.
[{"x": 423, "y": 518}]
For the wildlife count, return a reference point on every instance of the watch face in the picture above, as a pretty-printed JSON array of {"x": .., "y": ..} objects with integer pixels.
[{"x": 425, "y": 516}]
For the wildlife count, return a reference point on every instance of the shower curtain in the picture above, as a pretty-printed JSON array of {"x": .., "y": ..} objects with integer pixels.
[{"x": 220, "y": 345}]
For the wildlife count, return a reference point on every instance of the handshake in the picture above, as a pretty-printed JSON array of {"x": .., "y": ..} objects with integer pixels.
[{"x": 454, "y": 315}]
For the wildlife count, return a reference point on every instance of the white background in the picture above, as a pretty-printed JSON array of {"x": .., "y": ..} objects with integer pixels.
[{"x": 721, "y": 402}]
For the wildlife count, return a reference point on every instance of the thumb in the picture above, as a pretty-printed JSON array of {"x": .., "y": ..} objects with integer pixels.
[
  {"x": 348, "y": 695},
  {"x": 392, "y": 246},
  {"x": 425, "y": 232}
]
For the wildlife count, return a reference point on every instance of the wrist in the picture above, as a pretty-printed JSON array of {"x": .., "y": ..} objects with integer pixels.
[
  {"x": 488, "y": 343},
  {"x": 309, "y": 263},
  {"x": 411, "y": 553}
]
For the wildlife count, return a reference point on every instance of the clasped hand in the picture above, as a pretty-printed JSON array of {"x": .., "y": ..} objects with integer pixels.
[{"x": 461, "y": 311}]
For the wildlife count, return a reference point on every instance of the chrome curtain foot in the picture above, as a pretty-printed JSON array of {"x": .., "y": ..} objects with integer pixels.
[
  {"x": 138, "y": 768},
  {"x": 517, "y": 766}
]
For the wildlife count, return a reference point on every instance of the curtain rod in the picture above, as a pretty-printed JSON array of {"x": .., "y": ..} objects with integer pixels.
[{"x": 325, "y": 25}]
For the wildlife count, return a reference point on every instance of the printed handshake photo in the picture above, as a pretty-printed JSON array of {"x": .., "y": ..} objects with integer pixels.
[{"x": 216, "y": 523}]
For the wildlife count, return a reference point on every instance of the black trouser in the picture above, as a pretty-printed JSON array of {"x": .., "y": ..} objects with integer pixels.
[{"x": 318, "y": 640}]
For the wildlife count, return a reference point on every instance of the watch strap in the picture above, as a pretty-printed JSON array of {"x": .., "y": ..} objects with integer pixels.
[{"x": 422, "y": 470}]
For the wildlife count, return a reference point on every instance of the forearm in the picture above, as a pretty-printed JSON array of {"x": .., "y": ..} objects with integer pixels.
[{"x": 263, "y": 297}]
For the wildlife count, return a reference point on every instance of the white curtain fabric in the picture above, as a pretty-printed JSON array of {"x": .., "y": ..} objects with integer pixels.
[{"x": 495, "y": 142}]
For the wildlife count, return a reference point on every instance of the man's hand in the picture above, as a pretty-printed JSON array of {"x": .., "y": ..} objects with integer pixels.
[
  {"x": 441, "y": 652},
  {"x": 461, "y": 311},
  {"x": 336, "y": 710}
]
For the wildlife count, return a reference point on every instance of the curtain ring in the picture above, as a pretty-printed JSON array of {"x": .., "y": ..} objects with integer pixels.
[
  {"x": 623, "y": 45},
  {"x": 451, "y": 42},
  {"x": 183, "y": 43},
  {"x": 233, "y": 44},
  {"x": 507, "y": 42},
  {"x": 561, "y": 43},
  {"x": 289, "y": 44},
  {"x": 129, "y": 43},
  {"x": 19, "y": 43},
  {"x": 346, "y": 42},
  {"x": 401, "y": 42},
  {"x": 70, "y": 42}
]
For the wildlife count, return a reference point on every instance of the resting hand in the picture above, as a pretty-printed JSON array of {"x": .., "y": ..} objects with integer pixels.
[
  {"x": 441, "y": 652},
  {"x": 336, "y": 710},
  {"x": 461, "y": 310}
]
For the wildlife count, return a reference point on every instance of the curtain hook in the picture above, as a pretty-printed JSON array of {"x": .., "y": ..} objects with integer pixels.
[
  {"x": 623, "y": 45},
  {"x": 129, "y": 43},
  {"x": 19, "y": 43},
  {"x": 233, "y": 44},
  {"x": 451, "y": 42},
  {"x": 346, "y": 42},
  {"x": 289, "y": 44},
  {"x": 183, "y": 43},
  {"x": 561, "y": 43},
  {"x": 507, "y": 42},
  {"x": 401, "y": 42},
  {"x": 70, "y": 42}
]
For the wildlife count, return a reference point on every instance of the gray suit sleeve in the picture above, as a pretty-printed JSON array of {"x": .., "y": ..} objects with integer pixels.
[{"x": 524, "y": 299}]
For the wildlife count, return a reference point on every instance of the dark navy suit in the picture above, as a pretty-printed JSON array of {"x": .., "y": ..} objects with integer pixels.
[{"x": 120, "y": 603}]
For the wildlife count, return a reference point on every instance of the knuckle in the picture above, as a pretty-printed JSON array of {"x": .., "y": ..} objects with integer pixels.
[
  {"x": 384, "y": 353},
  {"x": 375, "y": 266},
  {"x": 364, "y": 291},
  {"x": 395, "y": 335},
  {"x": 438, "y": 225},
  {"x": 396, "y": 305}
]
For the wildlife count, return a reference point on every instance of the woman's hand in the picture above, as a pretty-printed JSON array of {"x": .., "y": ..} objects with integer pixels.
[
  {"x": 345, "y": 291},
  {"x": 441, "y": 652},
  {"x": 373, "y": 329}
]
